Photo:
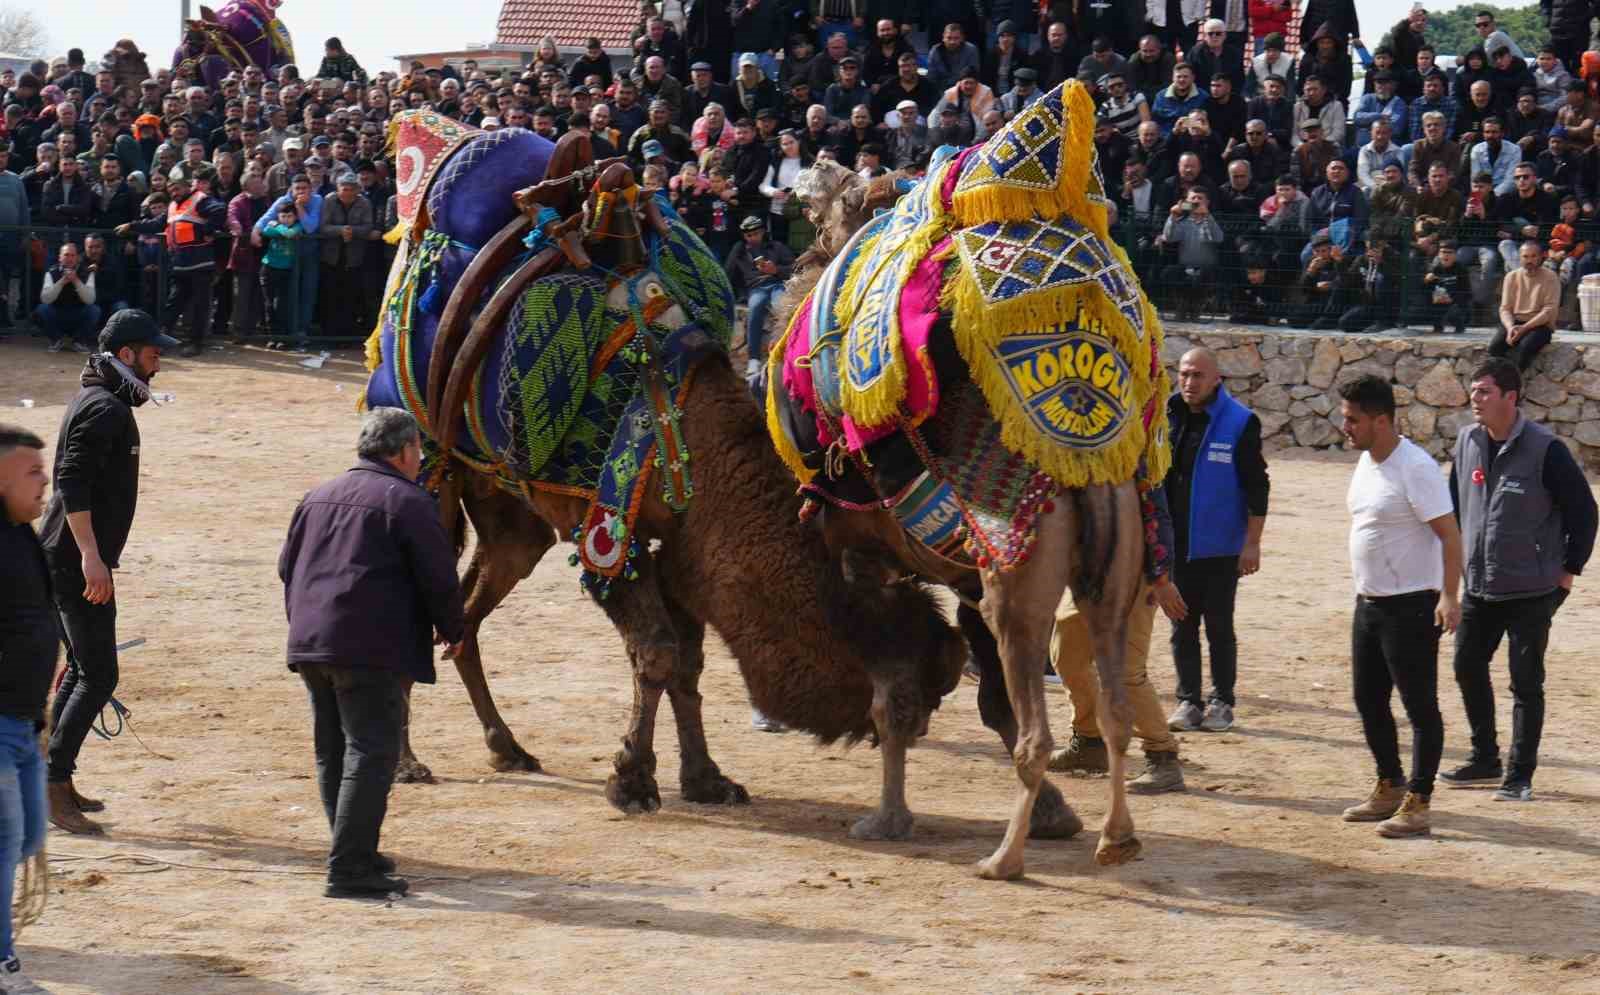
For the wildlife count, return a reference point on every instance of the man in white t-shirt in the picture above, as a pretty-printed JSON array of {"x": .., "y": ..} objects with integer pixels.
[{"x": 1405, "y": 549}]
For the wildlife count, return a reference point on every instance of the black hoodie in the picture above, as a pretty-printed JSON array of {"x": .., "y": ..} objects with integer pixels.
[{"x": 96, "y": 466}]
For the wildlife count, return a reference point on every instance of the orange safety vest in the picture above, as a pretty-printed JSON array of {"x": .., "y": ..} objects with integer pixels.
[{"x": 185, "y": 223}]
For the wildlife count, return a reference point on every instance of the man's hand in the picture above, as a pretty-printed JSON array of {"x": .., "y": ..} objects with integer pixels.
[
  {"x": 124, "y": 230},
  {"x": 97, "y": 586},
  {"x": 1249, "y": 559},
  {"x": 1530, "y": 231},
  {"x": 767, "y": 266},
  {"x": 1430, "y": 278},
  {"x": 255, "y": 238},
  {"x": 347, "y": 233},
  {"x": 1164, "y": 594},
  {"x": 1565, "y": 581},
  {"x": 1514, "y": 333},
  {"x": 1447, "y": 615}
]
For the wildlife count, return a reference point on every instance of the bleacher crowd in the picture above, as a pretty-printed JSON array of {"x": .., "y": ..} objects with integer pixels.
[{"x": 1247, "y": 177}]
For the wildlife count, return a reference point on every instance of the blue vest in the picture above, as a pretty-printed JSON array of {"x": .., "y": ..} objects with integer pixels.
[{"x": 1217, "y": 512}]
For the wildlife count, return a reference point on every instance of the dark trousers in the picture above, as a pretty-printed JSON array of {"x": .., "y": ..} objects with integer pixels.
[
  {"x": 1456, "y": 313},
  {"x": 1190, "y": 285},
  {"x": 1526, "y": 348},
  {"x": 1208, "y": 587},
  {"x": 1527, "y": 622},
  {"x": 91, "y": 678},
  {"x": 278, "y": 292},
  {"x": 1394, "y": 644},
  {"x": 191, "y": 300},
  {"x": 358, "y": 714},
  {"x": 341, "y": 301}
]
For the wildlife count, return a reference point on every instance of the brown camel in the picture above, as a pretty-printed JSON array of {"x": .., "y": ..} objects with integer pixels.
[
  {"x": 1089, "y": 540},
  {"x": 824, "y": 646}
]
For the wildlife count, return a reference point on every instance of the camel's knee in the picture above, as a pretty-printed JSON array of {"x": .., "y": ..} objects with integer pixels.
[
  {"x": 1032, "y": 755},
  {"x": 655, "y": 662}
]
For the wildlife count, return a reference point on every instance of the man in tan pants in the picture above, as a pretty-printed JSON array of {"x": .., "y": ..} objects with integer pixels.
[{"x": 1072, "y": 655}]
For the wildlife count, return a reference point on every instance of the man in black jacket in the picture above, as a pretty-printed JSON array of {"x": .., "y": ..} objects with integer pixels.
[
  {"x": 87, "y": 524},
  {"x": 369, "y": 585},
  {"x": 29, "y": 641},
  {"x": 759, "y": 267}
]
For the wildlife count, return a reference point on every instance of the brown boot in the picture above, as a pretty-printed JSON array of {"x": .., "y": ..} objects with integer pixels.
[
  {"x": 1082, "y": 753},
  {"x": 1383, "y": 802},
  {"x": 65, "y": 814},
  {"x": 1411, "y": 820},
  {"x": 85, "y": 804}
]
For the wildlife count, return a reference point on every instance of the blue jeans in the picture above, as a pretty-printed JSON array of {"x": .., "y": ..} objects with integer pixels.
[
  {"x": 76, "y": 323},
  {"x": 22, "y": 812},
  {"x": 767, "y": 61},
  {"x": 761, "y": 302}
]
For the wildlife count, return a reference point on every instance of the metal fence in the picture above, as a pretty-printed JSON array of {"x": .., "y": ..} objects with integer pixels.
[
  {"x": 136, "y": 272},
  {"x": 1259, "y": 274}
]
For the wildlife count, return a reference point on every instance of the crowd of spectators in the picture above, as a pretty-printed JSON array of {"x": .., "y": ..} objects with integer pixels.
[{"x": 1246, "y": 180}]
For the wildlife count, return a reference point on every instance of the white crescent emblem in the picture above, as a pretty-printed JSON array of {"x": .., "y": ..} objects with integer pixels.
[{"x": 409, "y": 170}]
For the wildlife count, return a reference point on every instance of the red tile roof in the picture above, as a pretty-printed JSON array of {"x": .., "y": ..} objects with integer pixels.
[{"x": 572, "y": 22}]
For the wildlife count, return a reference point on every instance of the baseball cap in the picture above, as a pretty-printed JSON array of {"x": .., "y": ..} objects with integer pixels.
[
  {"x": 849, "y": 60},
  {"x": 700, "y": 67},
  {"x": 1321, "y": 237},
  {"x": 1273, "y": 40},
  {"x": 906, "y": 105},
  {"x": 321, "y": 140},
  {"x": 751, "y": 223},
  {"x": 347, "y": 180},
  {"x": 294, "y": 143},
  {"x": 134, "y": 327},
  {"x": 1007, "y": 27},
  {"x": 1311, "y": 124},
  {"x": 1025, "y": 74},
  {"x": 651, "y": 149},
  {"x": 749, "y": 59},
  {"x": 1558, "y": 132}
]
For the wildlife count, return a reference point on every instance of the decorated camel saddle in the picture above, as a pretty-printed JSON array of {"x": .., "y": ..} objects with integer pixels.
[
  {"x": 977, "y": 348},
  {"x": 543, "y": 320},
  {"x": 237, "y": 35}
]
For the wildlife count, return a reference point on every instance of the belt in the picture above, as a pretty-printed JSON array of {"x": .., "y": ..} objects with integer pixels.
[{"x": 1394, "y": 598}]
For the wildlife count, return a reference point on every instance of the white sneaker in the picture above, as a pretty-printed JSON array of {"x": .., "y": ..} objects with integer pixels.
[
  {"x": 1218, "y": 717},
  {"x": 14, "y": 982},
  {"x": 56, "y": 346},
  {"x": 1185, "y": 718},
  {"x": 761, "y": 723}
]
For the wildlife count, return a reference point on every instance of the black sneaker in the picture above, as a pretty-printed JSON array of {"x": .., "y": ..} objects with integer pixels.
[
  {"x": 1516, "y": 789},
  {"x": 374, "y": 885},
  {"x": 382, "y": 863},
  {"x": 1474, "y": 772}
]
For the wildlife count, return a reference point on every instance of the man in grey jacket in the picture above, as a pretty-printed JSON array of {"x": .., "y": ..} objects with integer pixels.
[
  {"x": 1528, "y": 526},
  {"x": 346, "y": 225},
  {"x": 1198, "y": 238}
]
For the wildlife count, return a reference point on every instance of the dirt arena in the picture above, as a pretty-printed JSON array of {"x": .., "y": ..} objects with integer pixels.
[{"x": 210, "y": 879}]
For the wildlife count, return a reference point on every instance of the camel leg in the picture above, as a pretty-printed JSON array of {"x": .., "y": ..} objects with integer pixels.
[
  {"x": 511, "y": 541},
  {"x": 410, "y": 770},
  {"x": 1053, "y": 818},
  {"x": 640, "y": 614},
  {"x": 699, "y": 777},
  {"x": 1114, "y": 512},
  {"x": 1019, "y": 606},
  {"x": 891, "y": 714}
]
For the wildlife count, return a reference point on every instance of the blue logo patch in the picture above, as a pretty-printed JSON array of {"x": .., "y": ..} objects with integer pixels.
[{"x": 1074, "y": 386}]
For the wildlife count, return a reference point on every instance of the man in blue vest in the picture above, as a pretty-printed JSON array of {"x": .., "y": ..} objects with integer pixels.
[
  {"x": 1218, "y": 491},
  {"x": 1528, "y": 526}
]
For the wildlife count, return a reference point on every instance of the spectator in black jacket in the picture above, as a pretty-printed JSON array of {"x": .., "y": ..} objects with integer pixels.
[
  {"x": 112, "y": 201},
  {"x": 1275, "y": 108},
  {"x": 593, "y": 62},
  {"x": 29, "y": 644},
  {"x": 882, "y": 59},
  {"x": 758, "y": 267},
  {"x": 369, "y": 585},
  {"x": 749, "y": 160},
  {"x": 1562, "y": 170},
  {"x": 65, "y": 199},
  {"x": 1266, "y": 158},
  {"x": 85, "y": 528}
]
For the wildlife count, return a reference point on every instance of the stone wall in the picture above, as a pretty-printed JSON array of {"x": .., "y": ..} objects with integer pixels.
[{"x": 1291, "y": 379}]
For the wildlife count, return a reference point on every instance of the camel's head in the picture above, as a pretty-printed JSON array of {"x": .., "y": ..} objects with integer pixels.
[{"x": 839, "y": 201}]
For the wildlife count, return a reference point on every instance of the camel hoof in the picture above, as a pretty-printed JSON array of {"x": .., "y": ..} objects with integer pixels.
[
  {"x": 635, "y": 791},
  {"x": 883, "y": 826},
  {"x": 413, "y": 771},
  {"x": 998, "y": 868},
  {"x": 519, "y": 761},
  {"x": 1053, "y": 818},
  {"x": 714, "y": 789},
  {"x": 1109, "y": 854}
]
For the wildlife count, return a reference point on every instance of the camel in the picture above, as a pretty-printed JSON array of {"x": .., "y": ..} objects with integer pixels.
[
  {"x": 1089, "y": 540},
  {"x": 822, "y": 644}
]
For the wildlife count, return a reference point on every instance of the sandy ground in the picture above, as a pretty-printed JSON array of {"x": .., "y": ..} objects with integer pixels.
[{"x": 1249, "y": 882}]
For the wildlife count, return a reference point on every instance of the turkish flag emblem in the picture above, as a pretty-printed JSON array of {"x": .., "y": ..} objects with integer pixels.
[{"x": 1477, "y": 476}]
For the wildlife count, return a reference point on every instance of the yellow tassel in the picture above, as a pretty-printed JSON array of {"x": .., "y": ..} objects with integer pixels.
[
  {"x": 787, "y": 450},
  {"x": 395, "y": 234}
]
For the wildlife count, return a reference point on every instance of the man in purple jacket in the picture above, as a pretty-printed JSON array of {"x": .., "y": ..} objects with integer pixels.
[{"x": 369, "y": 586}]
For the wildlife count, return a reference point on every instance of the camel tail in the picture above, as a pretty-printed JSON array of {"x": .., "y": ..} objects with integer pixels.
[{"x": 1095, "y": 510}]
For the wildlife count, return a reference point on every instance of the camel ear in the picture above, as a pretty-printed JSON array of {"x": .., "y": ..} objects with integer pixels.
[
  {"x": 208, "y": 15},
  {"x": 854, "y": 198}
]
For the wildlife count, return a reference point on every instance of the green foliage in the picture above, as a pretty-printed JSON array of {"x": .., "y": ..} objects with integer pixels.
[{"x": 1452, "y": 33}]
